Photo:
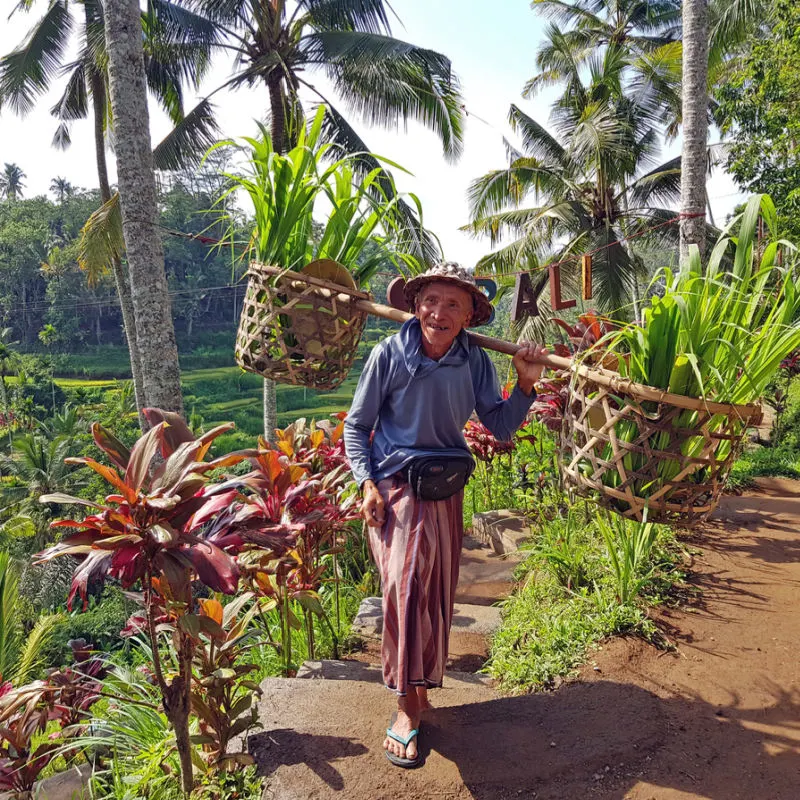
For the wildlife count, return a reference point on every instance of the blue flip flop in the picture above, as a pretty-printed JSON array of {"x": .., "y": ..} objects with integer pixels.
[{"x": 407, "y": 763}]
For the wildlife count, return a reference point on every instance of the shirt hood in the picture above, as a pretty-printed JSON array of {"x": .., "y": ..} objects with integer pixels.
[{"x": 417, "y": 363}]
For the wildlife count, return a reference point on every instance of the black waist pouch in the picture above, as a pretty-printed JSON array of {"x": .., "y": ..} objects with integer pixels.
[{"x": 439, "y": 477}]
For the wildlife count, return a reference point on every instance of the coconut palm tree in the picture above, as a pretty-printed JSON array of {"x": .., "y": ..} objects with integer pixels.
[
  {"x": 171, "y": 58},
  {"x": 155, "y": 332},
  {"x": 61, "y": 188},
  {"x": 593, "y": 183},
  {"x": 382, "y": 79},
  {"x": 12, "y": 181},
  {"x": 651, "y": 35},
  {"x": 646, "y": 34},
  {"x": 695, "y": 126}
]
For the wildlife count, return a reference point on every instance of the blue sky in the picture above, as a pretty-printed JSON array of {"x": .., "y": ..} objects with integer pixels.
[{"x": 492, "y": 46}]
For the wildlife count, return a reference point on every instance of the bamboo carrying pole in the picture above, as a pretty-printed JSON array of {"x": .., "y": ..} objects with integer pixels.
[{"x": 603, "y": 377}]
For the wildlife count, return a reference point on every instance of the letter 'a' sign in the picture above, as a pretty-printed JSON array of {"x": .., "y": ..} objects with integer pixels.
[{"x": 526, "y": 297}]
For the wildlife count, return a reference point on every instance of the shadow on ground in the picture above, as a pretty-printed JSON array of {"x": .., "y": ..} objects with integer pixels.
[{"x": 589, "y": 739}]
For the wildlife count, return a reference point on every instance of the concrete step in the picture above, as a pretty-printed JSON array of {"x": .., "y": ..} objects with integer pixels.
[
  {"x": 503, "y": 530},
  {"x": 468, "y": 619},
  {"x": 484, "y": 576},
  {"x": 347, "y": 670}
]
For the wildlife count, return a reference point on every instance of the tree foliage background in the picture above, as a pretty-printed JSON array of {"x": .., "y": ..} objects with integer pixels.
[{"x": 760, "y": 112}]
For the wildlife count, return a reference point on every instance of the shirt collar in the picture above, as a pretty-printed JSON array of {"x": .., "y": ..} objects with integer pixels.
[{"x": 416, "y": 361}]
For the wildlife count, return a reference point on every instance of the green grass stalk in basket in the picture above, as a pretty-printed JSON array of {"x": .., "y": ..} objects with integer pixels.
[
  {"x": 312, "y": 203},
  {"x": 718, "y": 334}
]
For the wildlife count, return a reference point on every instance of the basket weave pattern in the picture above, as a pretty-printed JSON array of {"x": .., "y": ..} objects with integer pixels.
[
  {"x": 639, "y": 453},
  {"x": 296, "y": 332}
]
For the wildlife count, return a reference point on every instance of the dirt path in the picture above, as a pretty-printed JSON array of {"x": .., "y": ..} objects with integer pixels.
[
  {"x": 729, "y": 701},
  {"x": 718, "y": 720}
]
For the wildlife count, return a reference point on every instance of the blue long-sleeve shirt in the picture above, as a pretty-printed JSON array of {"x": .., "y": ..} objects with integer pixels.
[{"x": 418, "y": 407}]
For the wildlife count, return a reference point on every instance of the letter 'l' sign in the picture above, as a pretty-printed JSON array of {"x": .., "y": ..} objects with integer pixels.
[{"x": 526, "y": 297}]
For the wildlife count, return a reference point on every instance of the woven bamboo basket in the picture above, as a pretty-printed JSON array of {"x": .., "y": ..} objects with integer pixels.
[
  {"x": 301, "y": 332},
  {"x": 640, "y": 448}
]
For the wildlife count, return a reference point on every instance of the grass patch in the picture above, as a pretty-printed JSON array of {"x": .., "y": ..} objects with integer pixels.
[
  {"x": 764, "y": 462},
  {"x": 86, "y": 383},
  {"x": 569, "y": 599}
]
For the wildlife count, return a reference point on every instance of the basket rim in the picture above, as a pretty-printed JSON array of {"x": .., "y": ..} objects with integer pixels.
[
  {"x": 640, "y": 391},
  {"x": 257, "y": 268}
]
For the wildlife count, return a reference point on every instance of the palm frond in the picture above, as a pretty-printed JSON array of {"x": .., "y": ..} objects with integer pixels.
[
  {"x": 222, "y": 12},
  {"x": 536, "y": 140},
  {"x": 731, "y": 22},
  {"x": 518, "y": 256},
  {"x": 564, "y": 54},
  {"x": 656, "y": 80},
  {"x": 26, "y": 72},
  {"x": 101, "y": 240},
  {"x": 387, "y": 81},
  {"x": 31, "y": 655},
  {"x": 599, "y": 136},
  {"x": 565, "y": 13},
  {"x": 660, "y": 185},
  {"x": 369, "y": 16},
  {"x": 182, "y": 25},
  {"x": 74, "y": 102},
  {"x": 185, "y": 145},
  {"x": 62, "y": 138},
  {"x": 10, "y": 629},
  {"x": 507, "y": 188}
]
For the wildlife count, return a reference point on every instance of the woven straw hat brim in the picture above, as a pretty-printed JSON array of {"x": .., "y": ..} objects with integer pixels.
[{"x": 483, "y": 308}]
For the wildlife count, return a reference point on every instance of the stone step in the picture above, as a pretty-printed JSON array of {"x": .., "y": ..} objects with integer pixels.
[
  {"x": 347, "y": 670},
  {"x": 468, "y": 619},
  {"x": 503, "y": 530},
  {"x": 72, "y": 784},
  {"x": 484, "y": 576}
]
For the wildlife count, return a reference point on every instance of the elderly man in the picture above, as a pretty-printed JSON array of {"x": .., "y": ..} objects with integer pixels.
[{"x": 405, "y": 442}]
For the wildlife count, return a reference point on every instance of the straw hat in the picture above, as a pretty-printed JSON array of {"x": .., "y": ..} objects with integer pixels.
[{"x": 450, "y": 272}]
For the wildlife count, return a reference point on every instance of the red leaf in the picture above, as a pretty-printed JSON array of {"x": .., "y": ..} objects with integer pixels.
[
  {"x": 173, "y": 434},
  {"x": 127, "y": 564},
  {"x": 95, "y": 563},
  {"x": 215, "y": 568},
  {"x": 110, "y": 445},
  {"x": 141, "y": 456},
  {"x": 111, "y": 475},
  {"x": 212, "y": 507}
]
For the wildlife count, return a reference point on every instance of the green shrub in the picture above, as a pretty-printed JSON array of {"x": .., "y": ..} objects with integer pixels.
[{"x": 763, "y": 462}]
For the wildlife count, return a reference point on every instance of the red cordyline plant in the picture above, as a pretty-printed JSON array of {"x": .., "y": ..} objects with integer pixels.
[
  {"x": 24, "y": 714},
  {"x": 144, "y": 534},
  {"x": 552, "y": 392},
  {"x": 287, "y": 513},
  {"x": 65, "y": 696}
]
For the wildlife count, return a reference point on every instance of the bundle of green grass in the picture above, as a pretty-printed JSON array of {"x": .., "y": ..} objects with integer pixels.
[{"x": 717, "y": 335}]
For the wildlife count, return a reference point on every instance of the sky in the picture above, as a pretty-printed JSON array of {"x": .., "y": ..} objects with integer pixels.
[{"x": 492, "y": 47}]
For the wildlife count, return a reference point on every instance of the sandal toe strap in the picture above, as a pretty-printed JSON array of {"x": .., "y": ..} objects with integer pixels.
[{"x": 403, "y": 741}]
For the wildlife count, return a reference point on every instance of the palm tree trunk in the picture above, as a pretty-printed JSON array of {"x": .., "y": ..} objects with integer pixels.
[
  {"x": 695, "y": 125},
  {"x": 270, "y": 401},
  {"x": 155, "y": 332},
  {"x": 277, "y": 113},
  {"x": 278, "y": 134},
  {"x": 121, "y": 280}
]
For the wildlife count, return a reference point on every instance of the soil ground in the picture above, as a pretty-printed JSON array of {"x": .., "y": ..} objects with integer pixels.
[{"x": 717, "y": 719}]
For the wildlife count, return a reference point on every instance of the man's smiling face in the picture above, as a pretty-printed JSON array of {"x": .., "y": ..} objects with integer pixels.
[{"x": 442, "y": 310}]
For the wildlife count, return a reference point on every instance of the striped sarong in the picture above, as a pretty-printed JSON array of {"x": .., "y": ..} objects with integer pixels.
[{"x": 417, "y": 551}]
